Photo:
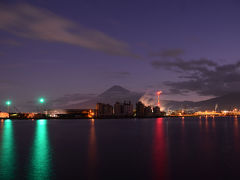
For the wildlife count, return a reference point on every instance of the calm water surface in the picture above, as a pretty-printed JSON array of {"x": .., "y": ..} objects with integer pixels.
[{"x": 162, "y": 148}]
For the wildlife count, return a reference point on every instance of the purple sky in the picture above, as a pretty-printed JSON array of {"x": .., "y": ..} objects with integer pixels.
[{"x": 189, "y": 49}]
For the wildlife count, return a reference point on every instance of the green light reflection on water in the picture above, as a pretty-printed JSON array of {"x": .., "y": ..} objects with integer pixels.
[
  {"x": 40, "y": 156},
  {"x": 7, "y": 151}
]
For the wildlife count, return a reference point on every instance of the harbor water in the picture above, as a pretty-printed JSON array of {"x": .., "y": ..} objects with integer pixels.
[{"x": 160, "y": 148}]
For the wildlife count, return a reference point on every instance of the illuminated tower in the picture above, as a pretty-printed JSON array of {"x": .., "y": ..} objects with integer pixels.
[{"x": 158, "y": 98}]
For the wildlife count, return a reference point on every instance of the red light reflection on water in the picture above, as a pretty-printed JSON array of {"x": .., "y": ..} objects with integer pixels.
[{"x": 160, "y": 163}]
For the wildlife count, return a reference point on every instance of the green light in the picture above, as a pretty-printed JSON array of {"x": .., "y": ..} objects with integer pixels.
[
  {"x": 7, "y": 151},
  {"x": 42, "y": 100},
  {"x": 40, "y": 164},
  {"x": 8, "y": 103}
]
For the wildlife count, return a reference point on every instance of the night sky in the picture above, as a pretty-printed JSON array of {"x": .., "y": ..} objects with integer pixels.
[{"x": 188, "y": 49}]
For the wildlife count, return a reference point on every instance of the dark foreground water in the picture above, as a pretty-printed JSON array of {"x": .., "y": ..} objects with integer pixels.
[{"x": 163, "y": 148}]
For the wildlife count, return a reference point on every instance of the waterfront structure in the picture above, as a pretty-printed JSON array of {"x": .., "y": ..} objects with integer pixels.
[
  {"x": 55, "y": 112},
  {"x": 233, "y": 112},
  {"x": 206, "y": 113},
  {"x": 156, "y": 111},
  {"x": 70, "y": 113},
  {"x": 128, "y": 108},
  {"x": 140, "y": 109},
  {"x": 25, "y": 115},
  {"x": 118, "y": 109},
  {"x": 148, "y": 111},
  {"x": 4, "y": 115},
  {"x": 104, "y": 110},
  {"x": 123, "y": 109}
]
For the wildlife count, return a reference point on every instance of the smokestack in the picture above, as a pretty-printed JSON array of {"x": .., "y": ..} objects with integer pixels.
[{"x": 158, "y": 98}]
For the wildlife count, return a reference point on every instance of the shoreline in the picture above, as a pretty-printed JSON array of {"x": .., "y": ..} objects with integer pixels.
[{"x": 51, "y": 118}]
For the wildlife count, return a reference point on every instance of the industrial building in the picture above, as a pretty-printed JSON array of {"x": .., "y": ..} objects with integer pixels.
[
  {"x": 124, "y": 109},
  {"x": 104, "y": 110}
]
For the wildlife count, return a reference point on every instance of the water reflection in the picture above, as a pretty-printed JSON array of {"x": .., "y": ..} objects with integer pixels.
[
  {"x": 213, "y": 123},
  {"x": 7, "y": 153},
  {"x": 206, "y": 124},
  {"x": 40, "y": 155},
  {"x": 236, "y": 123},
  {"x": 92, "y": 152},
  {"x": 236, "y": 126},
  {"x": 159, "y": 151},
  {"x": 236, "y": 137},
  {"x": 207, "y": 140},
  {"x": 183, "y": 122},
  {"x": 200, "y": 123}
]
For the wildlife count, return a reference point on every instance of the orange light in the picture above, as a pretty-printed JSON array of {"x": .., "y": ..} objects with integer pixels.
[
  {"x": 4, "y": 115},
  {"x": 90, "y": 114}
]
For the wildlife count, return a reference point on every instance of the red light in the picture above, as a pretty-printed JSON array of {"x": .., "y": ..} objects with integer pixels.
[{"x": 159, "y": 92}]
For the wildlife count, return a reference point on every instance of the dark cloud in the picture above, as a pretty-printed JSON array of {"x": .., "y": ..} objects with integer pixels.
[
  {"x": 176, "y": 91},
  {"x": 168, "y": 53},
  {"x": 180, "y": 65},
  {"x": 202, "y": 76},
  {"x": 28, "y": 21}
]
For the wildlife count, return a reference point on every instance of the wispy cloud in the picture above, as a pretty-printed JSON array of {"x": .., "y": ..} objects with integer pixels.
[
  {"x": 10, "y": 42},
  {"x": 28, "y": 21}
]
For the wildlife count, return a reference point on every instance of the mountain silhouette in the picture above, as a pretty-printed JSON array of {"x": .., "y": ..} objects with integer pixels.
[
  {"x": 225, "y": 102},
  {"x": 119, "y": 94},
  {"x": 110, "y": 96}
]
